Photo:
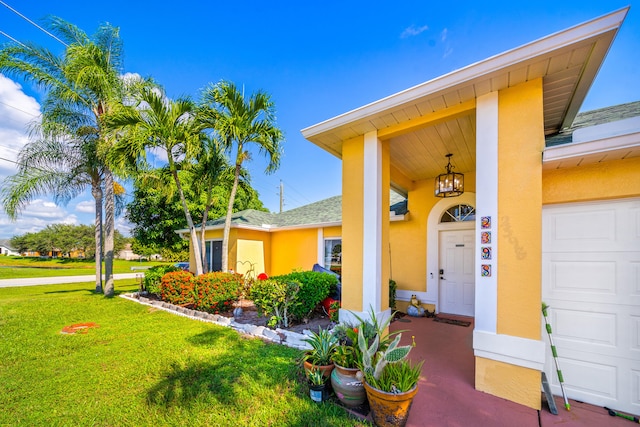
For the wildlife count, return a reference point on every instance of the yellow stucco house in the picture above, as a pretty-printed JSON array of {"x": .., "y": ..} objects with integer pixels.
[{"x": 550, "y": 212}]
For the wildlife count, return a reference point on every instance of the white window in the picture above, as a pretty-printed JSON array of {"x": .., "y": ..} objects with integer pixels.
[
  {"x": 459, "y": 213},
  {"x": 333, "y": 255}
]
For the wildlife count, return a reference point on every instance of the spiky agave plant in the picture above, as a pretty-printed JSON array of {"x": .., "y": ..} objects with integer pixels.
[{"x": 375, "y": 359}]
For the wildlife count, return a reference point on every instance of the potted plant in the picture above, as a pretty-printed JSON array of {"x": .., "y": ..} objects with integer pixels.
[
  {"x": 390, "y": 380},
  {"x": 323, "y": 344},
  {"x": 317, "y": 385},
  {"x": 347, "y": 387}
]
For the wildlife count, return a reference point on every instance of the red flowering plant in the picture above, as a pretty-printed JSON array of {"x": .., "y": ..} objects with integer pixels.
[
  {"x": 177, "y": 288},
  {"x": 217, "y": 292}
]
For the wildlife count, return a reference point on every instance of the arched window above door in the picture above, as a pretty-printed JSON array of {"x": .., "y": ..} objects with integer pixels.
[{"x": 459, "y": 213}]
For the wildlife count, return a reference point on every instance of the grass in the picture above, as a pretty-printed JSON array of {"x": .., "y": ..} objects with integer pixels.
[
  {"x": 15, "y": 267},
  {"x": 141, "y": 367}
]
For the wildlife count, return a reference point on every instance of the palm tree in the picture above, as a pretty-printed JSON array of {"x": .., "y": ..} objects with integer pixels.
[
  {"x": 156, "y": 122},
  {"x": 54, "y": 166},
  {"x": 81, "y": 86},
  {"x": 238, "y": 124}
]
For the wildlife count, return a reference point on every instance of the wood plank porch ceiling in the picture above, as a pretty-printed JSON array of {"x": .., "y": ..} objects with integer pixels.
[{"x": 437, "y": 117}]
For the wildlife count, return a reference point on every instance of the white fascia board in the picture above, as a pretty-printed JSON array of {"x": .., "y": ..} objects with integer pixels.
[
  {"x": 579, "y": 149},
  {"x": 491, "y": 65}
]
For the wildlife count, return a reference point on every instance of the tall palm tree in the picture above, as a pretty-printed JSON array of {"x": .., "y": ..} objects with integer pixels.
[
  {"x": 156, "y": 122},
  {"x": 239, "y": 124},
  {"x": 80, "y": 85}
]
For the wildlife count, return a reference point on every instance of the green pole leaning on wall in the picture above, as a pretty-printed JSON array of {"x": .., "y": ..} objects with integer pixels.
[{"x": 555, "y": 356}]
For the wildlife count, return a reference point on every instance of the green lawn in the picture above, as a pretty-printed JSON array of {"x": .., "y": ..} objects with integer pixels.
[
  {"x": 141, "y": 367},
  {"x": 20, "y": 267}
]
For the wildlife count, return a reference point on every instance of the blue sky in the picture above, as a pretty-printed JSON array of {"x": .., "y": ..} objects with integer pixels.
[{"x": 316, "y": 60}]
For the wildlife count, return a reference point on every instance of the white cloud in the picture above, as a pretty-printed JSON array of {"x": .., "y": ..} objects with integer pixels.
[
  {"x": 86, "y": 206},
  {"x": 443, "y": 35},
  {"x": 17, "y": 112},
  {"x": 412, "y": 31}
]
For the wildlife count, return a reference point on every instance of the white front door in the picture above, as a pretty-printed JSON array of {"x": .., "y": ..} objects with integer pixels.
[
  {"x": 457, "y": 279},
  {"x": 591, "y": 281}
]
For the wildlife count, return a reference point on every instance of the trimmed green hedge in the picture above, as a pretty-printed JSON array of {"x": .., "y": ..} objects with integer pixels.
[{"x": 314, "y": 287}]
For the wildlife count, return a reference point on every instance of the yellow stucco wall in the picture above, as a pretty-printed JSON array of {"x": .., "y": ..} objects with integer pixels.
[
  {"x": 293, "y": 249},
  {"x": 408, "y": 238},
  {"x": 515, "y": 383},
  {"x": 519, "y": 236},
  {"x": 520, "y": 142},
  {"x": 253, "y": 251},
  {"x": 612, "y": 179},
  {"x": 352, "y": 219}
]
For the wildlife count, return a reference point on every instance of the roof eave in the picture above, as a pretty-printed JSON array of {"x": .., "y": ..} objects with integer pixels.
[{"x": 488, "y": 68}]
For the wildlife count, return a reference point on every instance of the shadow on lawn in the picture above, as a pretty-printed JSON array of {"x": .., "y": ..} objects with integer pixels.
[{"x": 231, "y": 377}]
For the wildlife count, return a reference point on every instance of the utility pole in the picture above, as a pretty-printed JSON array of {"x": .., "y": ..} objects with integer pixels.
[{"x": 281, "y": 195}]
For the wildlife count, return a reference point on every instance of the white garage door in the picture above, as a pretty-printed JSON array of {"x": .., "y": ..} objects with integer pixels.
[{"x": 591, "y": 280}]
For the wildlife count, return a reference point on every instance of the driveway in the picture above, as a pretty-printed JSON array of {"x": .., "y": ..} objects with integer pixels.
[{"x": 33, "y": 281}]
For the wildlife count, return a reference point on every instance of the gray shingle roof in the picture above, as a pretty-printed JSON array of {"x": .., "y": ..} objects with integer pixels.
[
  {"x": 593, "y": 118},
  {"x": 325, "y": 211}
]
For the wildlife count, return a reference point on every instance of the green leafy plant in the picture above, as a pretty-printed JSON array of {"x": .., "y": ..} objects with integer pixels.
[
  {"x": 393, "y": 289},
  {"x": 345, "y": 356},
  {"x": 153, "y": 277},
  {"x": 398, "y": 377},
  {"x": 276, "y": 298},
  {"x": 316, "y": 377},
  {"x": 334, "y": 311},
  {"x": 178, "y": 288},
  {"x": 323, "y": 344},
  {"x": 314, "y": 287},
  {"x": 216, "y": 292},
  {"x": 383, "y": 361}
]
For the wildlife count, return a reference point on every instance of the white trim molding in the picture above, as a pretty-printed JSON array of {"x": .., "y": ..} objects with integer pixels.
[{"x": 516, "y": 351}]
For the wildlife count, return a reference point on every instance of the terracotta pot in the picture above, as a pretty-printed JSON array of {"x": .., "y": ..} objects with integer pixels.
[
  {"x": 347, "y": 387},
  {"x": 388, "y": 409},
  {"x": 326, "y": 369}
]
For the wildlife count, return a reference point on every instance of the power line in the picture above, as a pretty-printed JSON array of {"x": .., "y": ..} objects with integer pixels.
[
  {"x": 12, "y": 39},
  {"x": 22, "y": 111},
  {"x": 32, "y": 23}
]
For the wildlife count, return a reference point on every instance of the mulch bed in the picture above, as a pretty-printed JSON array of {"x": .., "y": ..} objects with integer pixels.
[{"x": 78, "y": 328}]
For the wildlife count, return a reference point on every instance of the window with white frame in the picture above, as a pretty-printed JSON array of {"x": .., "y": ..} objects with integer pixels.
[
  {"x": 459, "y": 213},
  {"x": 333, "y": 255}
]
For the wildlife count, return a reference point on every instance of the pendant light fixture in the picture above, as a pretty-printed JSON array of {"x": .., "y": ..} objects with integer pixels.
[{"x": 449, "y": 184}]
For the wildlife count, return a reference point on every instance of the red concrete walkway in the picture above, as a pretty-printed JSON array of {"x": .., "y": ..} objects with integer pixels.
[{"x": 447, "y": 397}]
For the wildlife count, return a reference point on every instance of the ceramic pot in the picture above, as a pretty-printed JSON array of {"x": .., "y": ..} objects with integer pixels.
[
  {"x": 389, "y": 409},
  {"x": 347, "y": 387}
]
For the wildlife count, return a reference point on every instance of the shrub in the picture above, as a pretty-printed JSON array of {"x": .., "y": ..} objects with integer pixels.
[
  {"x": 177, "y": 288},
  {"x": 216, "y": 292},
  {"x": 275, "y": 298},
  {"x": 153, "y": 276},
  {"x": 314, "y": 287}
]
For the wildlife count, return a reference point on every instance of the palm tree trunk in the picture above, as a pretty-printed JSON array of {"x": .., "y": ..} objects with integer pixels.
[
  {"x": 96, "y": 192},
  {"x": 205, "y": 215},
  {"x": 192, "y": 229},
  {"x": 109, "y": 227},
  {"x": 227, "y": 221}
]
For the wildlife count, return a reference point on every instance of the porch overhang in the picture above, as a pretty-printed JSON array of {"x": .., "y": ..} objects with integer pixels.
[{"x": 414, "y": 119}]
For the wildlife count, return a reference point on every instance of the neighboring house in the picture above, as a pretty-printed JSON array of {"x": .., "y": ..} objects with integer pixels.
[
  {"x": 127, "y": 254},
  {"x": 6, "y": 249},
  {"x": 550, "y": 212}
]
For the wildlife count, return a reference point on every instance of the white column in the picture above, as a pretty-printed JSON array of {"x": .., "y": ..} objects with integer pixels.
[
  {"x": 372, "y": 224},
  {"x": 486, "y": 304}
]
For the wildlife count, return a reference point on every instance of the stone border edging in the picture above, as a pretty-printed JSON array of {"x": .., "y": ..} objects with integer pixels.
[{"x": 278, "y": 336}]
